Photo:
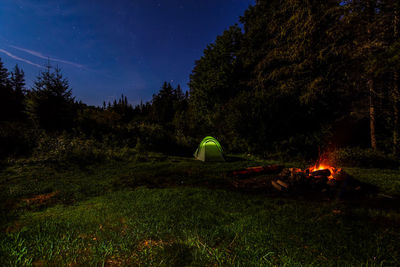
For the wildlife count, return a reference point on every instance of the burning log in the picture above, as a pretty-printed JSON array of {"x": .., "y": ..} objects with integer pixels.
[
  {"x": 319, "y": 179},
  {"x": 294, "y": 171},
  {"x": 321, "y": 173}
]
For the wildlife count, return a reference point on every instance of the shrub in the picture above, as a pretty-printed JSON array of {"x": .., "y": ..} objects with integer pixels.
[
  {"x": 66, "y": 148},
  {"x": 185, "y": 145},
  {"x": 153, "y": 137},
  {"x": 357, "y": 157},
  {"x": 157, "y": 138},
  {"x": 16, "y": 139}
]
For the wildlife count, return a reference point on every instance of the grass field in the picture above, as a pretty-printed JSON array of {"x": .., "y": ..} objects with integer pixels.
[{"x": 177, "y": 211}]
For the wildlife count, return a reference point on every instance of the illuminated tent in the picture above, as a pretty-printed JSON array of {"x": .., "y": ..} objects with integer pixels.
[{"x": 209, "y": 150}]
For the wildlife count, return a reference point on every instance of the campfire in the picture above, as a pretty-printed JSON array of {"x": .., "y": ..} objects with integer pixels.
[
  {"x": 321, "y": 178},
  {"x": 320, "y": 170}
]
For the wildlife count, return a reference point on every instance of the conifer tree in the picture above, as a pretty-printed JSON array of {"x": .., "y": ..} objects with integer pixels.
[
  {"x": 163, "y": 104},
  {"x": 18, "y": 80},
  {"x": 50, "y": 103},
  {"x": 17, "y": 83},
  {"x": 3, "y": 75},
  {"x": 214, "y": 79},
  {"x": 6, "y": 95}
]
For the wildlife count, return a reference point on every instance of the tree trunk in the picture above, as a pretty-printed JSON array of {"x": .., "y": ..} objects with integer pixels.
[
  {"x": 396, "y": 100},
  {"x": 370, "y": 81},
  {"x": 372, "y": 123},
  {"x": 395, "y": 92}
]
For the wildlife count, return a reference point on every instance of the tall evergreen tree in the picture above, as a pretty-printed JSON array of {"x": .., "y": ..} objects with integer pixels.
[
  {"x": 296, "y": 73},
  {"x": 180, "y": 101},
  {"x": 4, "y": 81},
  {"x": 123, "y": 108},
  {"x": 50, "y": 103},
  {"x": 6, "y": 95},
  {"x": 17, "y": 82},
  {"x": 163, "y": 104},
  {"x": 166, "y": 104},
  {"x": 373, "y": 27},
  {"x": 214, "y": 79}
]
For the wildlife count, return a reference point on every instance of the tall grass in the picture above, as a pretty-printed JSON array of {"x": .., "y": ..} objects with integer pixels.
[{"x": 176, "y": 211}]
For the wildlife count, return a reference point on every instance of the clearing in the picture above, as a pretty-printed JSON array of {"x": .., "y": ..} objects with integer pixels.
[{"x": 178, "y": 211}]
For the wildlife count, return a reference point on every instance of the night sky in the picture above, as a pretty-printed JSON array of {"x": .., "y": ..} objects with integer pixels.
[{"x": 106, "y": 47}]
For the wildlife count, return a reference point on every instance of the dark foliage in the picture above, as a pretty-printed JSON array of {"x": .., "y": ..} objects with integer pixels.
[
  {"x": 50, "y": 103},
  {"x": 301, "y": 70},
  {"x": 294, "y": 79}
]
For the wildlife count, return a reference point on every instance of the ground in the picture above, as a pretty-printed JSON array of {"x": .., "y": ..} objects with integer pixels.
[{"x": 176, "y": 211}]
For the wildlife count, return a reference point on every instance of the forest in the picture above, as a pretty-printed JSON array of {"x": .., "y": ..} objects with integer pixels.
[
  {"x": 290, "y": 83},
  {"x": 292, "y": 80}
]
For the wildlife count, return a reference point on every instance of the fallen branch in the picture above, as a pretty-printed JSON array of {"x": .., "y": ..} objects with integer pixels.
[
  {"x": 258, "y": 170},
  {"x": 281, "y": 183},
  {"x": 277, "y": 186}
]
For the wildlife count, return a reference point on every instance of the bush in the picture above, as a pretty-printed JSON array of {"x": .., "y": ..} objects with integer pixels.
[
  {"x": 65, "y": 148},
  {"x": 153, "y": 137},
  {"x": 357, "y": 157},
  {"x": 157, "y": 138},
  {"x": 185, "y": 145},
  {"x": 16, "y": 139}
]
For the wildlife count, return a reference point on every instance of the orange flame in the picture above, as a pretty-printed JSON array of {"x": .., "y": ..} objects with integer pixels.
[{"x": 322, "y": 166}]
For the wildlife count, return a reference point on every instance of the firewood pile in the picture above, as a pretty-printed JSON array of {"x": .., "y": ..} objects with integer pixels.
[
  {"x": 329, "y": 182},
  {"x": 254, "y": 178},
  {"x": 320, "y": 181}
]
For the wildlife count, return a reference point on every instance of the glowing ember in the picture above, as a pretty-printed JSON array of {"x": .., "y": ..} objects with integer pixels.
[{"x": 320, "y": 166}]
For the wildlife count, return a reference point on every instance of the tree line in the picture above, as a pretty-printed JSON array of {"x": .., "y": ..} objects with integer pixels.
[
  {"x": 304, "y": 73},
  {"x": 49, "y": 108},
  {"x": 294, "y": 78}
]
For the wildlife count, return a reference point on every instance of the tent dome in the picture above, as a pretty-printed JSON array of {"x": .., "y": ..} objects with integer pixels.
[{"x": 209, "y": 150}]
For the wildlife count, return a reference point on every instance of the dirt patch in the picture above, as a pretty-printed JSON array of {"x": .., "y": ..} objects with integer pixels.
[
  {"x": 152, "y": 243},
  {"x": 114, "y": 262},
  {"x": 15, "y": 227},
  {"x": 40, "y": 199}
]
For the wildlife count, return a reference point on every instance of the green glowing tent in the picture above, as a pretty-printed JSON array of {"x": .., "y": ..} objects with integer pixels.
[{"x": 209, "y": 150}]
